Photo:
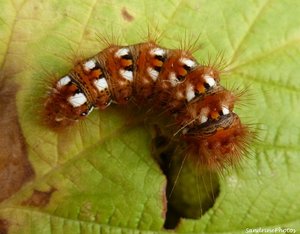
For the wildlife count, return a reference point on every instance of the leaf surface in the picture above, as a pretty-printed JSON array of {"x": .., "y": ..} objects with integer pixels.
[{"x": 101, "y": 177}]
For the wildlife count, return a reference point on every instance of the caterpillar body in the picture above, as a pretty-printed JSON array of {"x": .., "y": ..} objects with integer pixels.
[{"x": 169, "y": 80}]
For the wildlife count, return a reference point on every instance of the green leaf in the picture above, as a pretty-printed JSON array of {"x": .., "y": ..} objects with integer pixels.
[{"x": 101, "y": 177}]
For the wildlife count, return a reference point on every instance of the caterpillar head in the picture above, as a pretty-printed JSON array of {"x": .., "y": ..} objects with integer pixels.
[{"x": 221, "y": 142}]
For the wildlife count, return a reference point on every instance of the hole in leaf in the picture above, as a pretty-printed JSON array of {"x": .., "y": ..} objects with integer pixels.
[{"x": 191, "y": 189}]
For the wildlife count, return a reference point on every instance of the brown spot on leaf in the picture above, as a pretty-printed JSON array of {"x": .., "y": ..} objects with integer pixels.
[
  {"x": 3, "y": 226},
  {"x": 39, "y": 198},
  {"x": 126, "y": 15},
  {"x": 15, "y": 169}
]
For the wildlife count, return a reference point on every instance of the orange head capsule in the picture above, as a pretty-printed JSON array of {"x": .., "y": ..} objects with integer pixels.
[{"x": 217, "y": 143}]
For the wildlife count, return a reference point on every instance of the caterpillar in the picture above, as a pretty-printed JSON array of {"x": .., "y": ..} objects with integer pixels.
[{"x": 169, "y": 80}]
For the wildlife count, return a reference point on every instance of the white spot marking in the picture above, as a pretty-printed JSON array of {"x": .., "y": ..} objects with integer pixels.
[
  {"x": 203, "y": 115},
  {"x": 173, "y": 79},
  {"x": 90, "y": 64},
  {"x": 122, "y": 52},
  {"x": 152, "y": 73},
  {"x": 58, "y": 119},
  {"x": 77, "y": 100},
  {"x": 184, "y": 131},
  {"x": 203, "y": 119},
  {"x": 225, "y": 110},
  {"x": 101, "y": 84},
  {"x": 209, "y": 80},
  {"x": 128, "y": 75},
  {"x": 190, "y": 93},
  {"x": 188, "y": 62},
  {"x": 158, "y": 52},
  {"x": 63, "y": 81}
]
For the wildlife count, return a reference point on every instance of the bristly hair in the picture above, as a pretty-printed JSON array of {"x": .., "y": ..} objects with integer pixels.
[
  {"x": 219, "y": 161},
  {"x": 190, "y": 43},
  {"x": 152, "y": 33},
  {"x": 108, "y": 39},
  {"x": 244, "y": 95},
  {"x": 74, "y": 56},
  {"x": 217, "y": 62}
]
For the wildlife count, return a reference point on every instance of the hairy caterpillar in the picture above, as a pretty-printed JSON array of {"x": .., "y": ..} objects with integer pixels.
[{"x": 168, "y": 80}]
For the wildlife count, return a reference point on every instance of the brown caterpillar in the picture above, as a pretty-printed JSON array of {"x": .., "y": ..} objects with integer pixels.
[{"x": 169, "y": 80}]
